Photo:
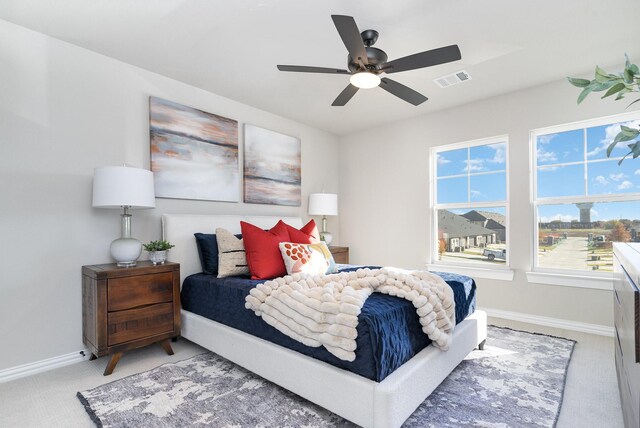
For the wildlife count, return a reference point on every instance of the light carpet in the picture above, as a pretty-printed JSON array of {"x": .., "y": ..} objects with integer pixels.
[{"x": 516, "y": 381}]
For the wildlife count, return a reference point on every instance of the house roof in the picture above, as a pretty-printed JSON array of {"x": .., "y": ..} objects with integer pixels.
[
  {"x": 494, "y": 225},
  {"x": 457, "y": 226},
  {"x": 479, "y": 215}
]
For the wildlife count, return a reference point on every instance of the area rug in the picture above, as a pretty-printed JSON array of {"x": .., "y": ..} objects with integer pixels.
[{"x": 516, "y": 381}]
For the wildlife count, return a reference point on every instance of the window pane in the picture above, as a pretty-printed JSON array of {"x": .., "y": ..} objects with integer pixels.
[
  {"x": 561, "y": 181},
  {"x": 452, "y": 190},
  {"x": 580, "y": 236},
  {"x": 600, "y": 137},
  {"x": 472, "y": 236},
  {"x": 608, "y": 177},
  {"x": 452, "y": 162},
  {"x": 489, "y": 187},
  {"x": 562, "y": 147},
  {"x": 491, "y": 157}
]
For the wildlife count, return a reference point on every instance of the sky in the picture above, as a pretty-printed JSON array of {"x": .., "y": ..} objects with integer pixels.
[{"x": 477, "y": 174}]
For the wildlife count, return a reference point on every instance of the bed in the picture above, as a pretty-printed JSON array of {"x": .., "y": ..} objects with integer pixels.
[{"x": 358, "y": 397}]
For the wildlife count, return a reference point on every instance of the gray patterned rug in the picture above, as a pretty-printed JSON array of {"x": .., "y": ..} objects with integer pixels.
[{"x": 517, "y": 381}]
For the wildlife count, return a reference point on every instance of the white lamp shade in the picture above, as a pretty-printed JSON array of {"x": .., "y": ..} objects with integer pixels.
[
  {"x": 323, "y": 204},
  {"x": 119, "y": 186}
]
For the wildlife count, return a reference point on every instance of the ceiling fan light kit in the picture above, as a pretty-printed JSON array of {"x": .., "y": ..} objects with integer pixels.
[
  {"x": 365, "y": 80},
  {"x": 365, "y": 63}
]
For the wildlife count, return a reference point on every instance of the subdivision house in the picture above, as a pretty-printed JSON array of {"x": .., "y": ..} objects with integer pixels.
[{"x": 259, "y": 213}]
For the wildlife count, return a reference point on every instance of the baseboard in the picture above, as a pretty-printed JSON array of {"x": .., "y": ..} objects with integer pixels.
[
  {"x": 29, "y": 369},
  {"x": 600, "y": 330}
]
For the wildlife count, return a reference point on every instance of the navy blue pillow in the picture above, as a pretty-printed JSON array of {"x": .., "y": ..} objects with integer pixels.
[{"x": 208, "y": 251}]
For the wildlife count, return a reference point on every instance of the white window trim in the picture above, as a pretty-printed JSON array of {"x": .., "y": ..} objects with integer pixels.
[
  {"x": 569, "y": 278},
  {"x": 491, "y": 272}
]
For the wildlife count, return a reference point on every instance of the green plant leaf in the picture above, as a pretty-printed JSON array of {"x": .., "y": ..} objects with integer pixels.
[
  {"x": 586, "y": 91},
  {"x": 580, "y": 83},
  {"x": 601, "y": 75},
  {"x": 610, "y": 148},
  {"x": 627, "y": 131},
  {"x": 615, "y": 88},
  {"x": 628, "y": 76}
]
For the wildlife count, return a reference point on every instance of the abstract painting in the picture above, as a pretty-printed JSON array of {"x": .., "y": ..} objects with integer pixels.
[
  {"x": 272, "y": 171},
  {"x": 194, "y": 154}
]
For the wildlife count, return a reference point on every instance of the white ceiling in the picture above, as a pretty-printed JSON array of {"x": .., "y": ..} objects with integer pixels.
[{"x": 231, "y": 47}]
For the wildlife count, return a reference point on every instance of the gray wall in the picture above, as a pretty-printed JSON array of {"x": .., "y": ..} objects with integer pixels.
[
  {"x": 65, "y": 110},
  {"x": 390, "y": 226}
]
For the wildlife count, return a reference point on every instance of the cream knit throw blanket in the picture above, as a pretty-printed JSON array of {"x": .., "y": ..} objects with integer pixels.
[{"x": 323, "y": 310}]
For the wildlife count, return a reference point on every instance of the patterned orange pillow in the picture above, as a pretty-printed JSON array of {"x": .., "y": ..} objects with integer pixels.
[{"x": 310, "y": 259}]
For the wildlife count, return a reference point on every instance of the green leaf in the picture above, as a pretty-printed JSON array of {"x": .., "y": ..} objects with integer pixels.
[
  {"x": 615, "y": 88},
  {"x": 634, "y": 69},
  {"x": 628, "y": 76},
  {"x": 601, "y": 75},
  {"x": 586, "y": 91},
  {"x": 610, "y": 148},
  {"x": 580, "y": 83},
  {"x": 632, "y": 132}
]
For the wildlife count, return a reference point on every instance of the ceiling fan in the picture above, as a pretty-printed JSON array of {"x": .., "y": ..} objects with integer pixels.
[{"x": 367, "y": 63}]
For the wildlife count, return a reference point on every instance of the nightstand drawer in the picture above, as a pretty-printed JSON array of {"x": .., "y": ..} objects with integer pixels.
[
  {"x": 135, "y": 291},
  {"x": 133, "y": 324}
]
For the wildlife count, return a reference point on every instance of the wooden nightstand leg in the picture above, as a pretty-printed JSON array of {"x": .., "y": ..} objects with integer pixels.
[
  {"x": 112, "y": 363},
  {"x": 92, "y": 357},
  {"x": 166, "y": 346}
]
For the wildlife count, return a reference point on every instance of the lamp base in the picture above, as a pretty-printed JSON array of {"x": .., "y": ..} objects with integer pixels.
[
  {"x": 126, "y": 251},
  {"x": 326, "y": 237}
]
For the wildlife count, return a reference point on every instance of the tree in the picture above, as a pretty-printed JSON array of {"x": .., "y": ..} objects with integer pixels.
[
  {"x": 619, "y": 233},
  {"x": 442, "y": 246},
  {"x": 623, "y": 83}
]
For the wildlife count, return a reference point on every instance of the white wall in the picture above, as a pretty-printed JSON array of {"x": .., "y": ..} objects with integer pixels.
[
  {"x": 65, "y": 110},
  {"x": 384, "y": 192}
]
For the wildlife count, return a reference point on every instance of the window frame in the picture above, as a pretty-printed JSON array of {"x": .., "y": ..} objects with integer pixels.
[
  {"x": 486, "y": 270},
  {"x": 536, "y": 270}
]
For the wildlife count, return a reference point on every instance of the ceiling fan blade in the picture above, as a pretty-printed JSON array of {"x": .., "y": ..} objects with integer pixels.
[
  {"x": 345, "y": 95},
  {"x": 305, "y": 69},
  {"x": 401, "y": 91},
  {"x": 423, "y": 59},
  {"x": 351, "y": 37}
]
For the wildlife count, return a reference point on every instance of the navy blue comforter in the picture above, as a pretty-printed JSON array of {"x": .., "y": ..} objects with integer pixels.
[{"x": 389, "y": 332}]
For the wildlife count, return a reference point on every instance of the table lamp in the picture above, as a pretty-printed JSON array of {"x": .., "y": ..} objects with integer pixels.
[
  {"x": 128, "y": 188},
  {"x": 324, "y": 204}
]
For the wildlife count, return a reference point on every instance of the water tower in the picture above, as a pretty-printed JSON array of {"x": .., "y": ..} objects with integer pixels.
[{"x": 585, "y": 211}]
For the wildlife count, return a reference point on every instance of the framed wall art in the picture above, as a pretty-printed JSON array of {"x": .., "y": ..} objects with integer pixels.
[
  {"x": 272, "y": 167},
  {"x": 194, "y": 154}
]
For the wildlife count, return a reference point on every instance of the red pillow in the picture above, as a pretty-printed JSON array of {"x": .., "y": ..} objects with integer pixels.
[
  {"x": 308, "y": 234},
  {"x": 263, "y": 253}
]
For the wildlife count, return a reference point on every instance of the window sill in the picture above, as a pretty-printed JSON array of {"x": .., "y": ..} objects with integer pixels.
[
  {"x": 503, "y": 274},
  {"x": 579, "y": 281}
]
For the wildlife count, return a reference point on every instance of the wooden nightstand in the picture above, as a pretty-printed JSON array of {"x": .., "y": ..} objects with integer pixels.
[
  {"x": 127, "y": 308},
  {"x": 340, "y": 254}
]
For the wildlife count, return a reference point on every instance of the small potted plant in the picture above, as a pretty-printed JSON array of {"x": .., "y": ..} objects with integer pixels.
[{"x": 158, "y": 250}]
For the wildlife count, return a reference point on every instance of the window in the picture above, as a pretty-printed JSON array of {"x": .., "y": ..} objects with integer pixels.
[
  {"x": 469, "y": 203},
  {"x": 583, "y": 201}
]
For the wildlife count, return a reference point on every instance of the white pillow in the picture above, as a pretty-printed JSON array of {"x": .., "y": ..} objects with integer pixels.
[
  {"x": 232, "y": 259},
  {"x": 310, "y": 259}
]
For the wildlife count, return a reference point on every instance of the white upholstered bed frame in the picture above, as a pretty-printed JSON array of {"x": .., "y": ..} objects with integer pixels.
[{"x": 385, "y": 404}]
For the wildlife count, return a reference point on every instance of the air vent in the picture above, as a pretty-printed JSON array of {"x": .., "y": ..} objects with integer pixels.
[{"x": 452, "y": 79}]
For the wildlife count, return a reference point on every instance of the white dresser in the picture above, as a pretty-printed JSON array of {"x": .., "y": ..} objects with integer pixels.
[{"x": 626, "y": 301}]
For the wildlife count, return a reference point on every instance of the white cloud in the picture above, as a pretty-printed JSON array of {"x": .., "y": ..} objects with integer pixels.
[
  {"x": 546, "y": 139},
  {"x": 625, "y": 185},
  {"x": 544, "y": 156},
  {"x": 601, "y": 180},
  {"x": 617, "y": 177},
  {"x": 500, "y": 154},
  {"x": 475, "y": 193},
  {"x": 637, "y": 172},
  {"x": 442, "y": 160},
  {"x": 610, "y": 133},
  {"x": 474, "y": 165}
]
